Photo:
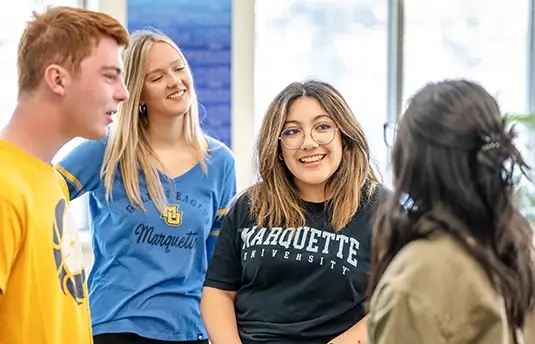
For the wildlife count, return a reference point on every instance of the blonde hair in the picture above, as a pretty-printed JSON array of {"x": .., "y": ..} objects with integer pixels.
[
  {"x": 129, "y": 147},
  {"x": 275, "y": 199}
]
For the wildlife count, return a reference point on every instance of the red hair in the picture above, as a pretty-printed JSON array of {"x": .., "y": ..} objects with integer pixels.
[{"x": 63, "y": 36}]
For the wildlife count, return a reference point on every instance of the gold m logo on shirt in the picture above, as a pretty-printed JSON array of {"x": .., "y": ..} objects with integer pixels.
[{"x": 172, "y": 216}]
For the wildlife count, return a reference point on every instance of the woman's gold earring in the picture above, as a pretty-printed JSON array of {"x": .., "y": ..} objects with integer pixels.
[{"x": 142, "y": 108}]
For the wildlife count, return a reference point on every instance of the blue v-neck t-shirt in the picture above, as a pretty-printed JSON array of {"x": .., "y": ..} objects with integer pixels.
[{"x": 149, "y": 266}]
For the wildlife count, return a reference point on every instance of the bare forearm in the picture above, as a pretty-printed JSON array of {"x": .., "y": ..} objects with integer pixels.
[
  {"x": 217, "y": 309},
  {"x": 357, "y": 334}
]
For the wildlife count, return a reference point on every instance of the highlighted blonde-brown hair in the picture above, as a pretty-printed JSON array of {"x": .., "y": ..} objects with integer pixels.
[
  {"x": 275, "y": 199},
  {"x": 64, "y": 36}
]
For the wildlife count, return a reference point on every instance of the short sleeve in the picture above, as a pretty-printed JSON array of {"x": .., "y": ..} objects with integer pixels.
[
  {"x": 228, "y": 191},
  {"x": 11, "y": 234},
  {"x": 81, "y": 167},
  {"x": 225, "y": 268},
  {"x": 399, "y": 317}
]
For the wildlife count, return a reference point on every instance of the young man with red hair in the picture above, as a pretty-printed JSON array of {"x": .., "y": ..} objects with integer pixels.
[{"x": 70, "y": 83}]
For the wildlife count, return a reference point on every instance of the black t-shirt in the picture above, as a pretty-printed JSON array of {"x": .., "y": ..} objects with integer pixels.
[{"x": 304, "y": 285}]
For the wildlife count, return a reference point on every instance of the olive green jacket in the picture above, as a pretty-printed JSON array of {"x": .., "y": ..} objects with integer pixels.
[{"x": 435, "y": 292}]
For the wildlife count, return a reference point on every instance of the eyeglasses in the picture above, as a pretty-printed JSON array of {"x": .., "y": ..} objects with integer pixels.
[
  {"x": 390, "y": 130},
  {"x": 322, "y": 134}
]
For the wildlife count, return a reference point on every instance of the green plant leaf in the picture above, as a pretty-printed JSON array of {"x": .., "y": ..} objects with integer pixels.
[{"x": 527, "y": 120}]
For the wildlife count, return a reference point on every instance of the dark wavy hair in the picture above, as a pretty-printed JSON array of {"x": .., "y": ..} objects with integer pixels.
[{"x": 454, "y": 158}]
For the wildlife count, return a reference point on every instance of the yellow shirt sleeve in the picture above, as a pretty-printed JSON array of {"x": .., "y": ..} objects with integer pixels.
[
  {"x": 64, "y": 187},
  {"x": 11, "y": 234}
]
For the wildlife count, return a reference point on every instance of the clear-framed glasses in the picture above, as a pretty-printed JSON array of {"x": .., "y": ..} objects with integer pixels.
[
  {"x": 321, "y": 133},
  {"x": 390, "y": 130}
]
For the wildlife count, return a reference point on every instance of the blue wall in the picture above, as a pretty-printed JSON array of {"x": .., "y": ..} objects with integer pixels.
[{"x": 202, "y": 30}]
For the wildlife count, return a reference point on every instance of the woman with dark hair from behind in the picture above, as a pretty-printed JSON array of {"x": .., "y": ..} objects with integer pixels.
[{"x": 457, "y": 265}]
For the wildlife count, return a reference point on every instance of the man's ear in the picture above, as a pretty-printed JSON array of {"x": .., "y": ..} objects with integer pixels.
[{"x": 57, "y": 79}]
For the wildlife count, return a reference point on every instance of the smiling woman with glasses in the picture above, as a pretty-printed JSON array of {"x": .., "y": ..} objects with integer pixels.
[{"x": 292, "y": 261}]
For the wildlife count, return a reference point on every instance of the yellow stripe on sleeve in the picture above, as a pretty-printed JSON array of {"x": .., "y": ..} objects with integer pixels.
[{"x": 70, "y": 177}]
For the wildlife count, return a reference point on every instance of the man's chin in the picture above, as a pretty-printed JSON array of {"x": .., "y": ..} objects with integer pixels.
[{"x": 95, "y": 134}]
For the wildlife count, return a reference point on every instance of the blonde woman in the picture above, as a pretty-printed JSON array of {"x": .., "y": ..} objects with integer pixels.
[
  {"x": 292, "y": 260},
  {"x": 157, "y": 186}
]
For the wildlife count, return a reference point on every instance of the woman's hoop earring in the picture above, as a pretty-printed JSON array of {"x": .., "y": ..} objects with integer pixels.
[
  {"x": 280, "y": 157},
  {"x": 142, "y": 108}
]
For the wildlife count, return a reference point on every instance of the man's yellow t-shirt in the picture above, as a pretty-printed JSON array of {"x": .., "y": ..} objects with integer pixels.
[{"x": 42, "y": 278}]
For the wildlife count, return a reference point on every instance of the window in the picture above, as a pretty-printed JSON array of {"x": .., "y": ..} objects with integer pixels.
[
  {"x": 345, "y": 42},
  {"x": 469, "y": 39},
  {"x": 340, "y": 42},
  {"x": 464, "y": 38}
]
